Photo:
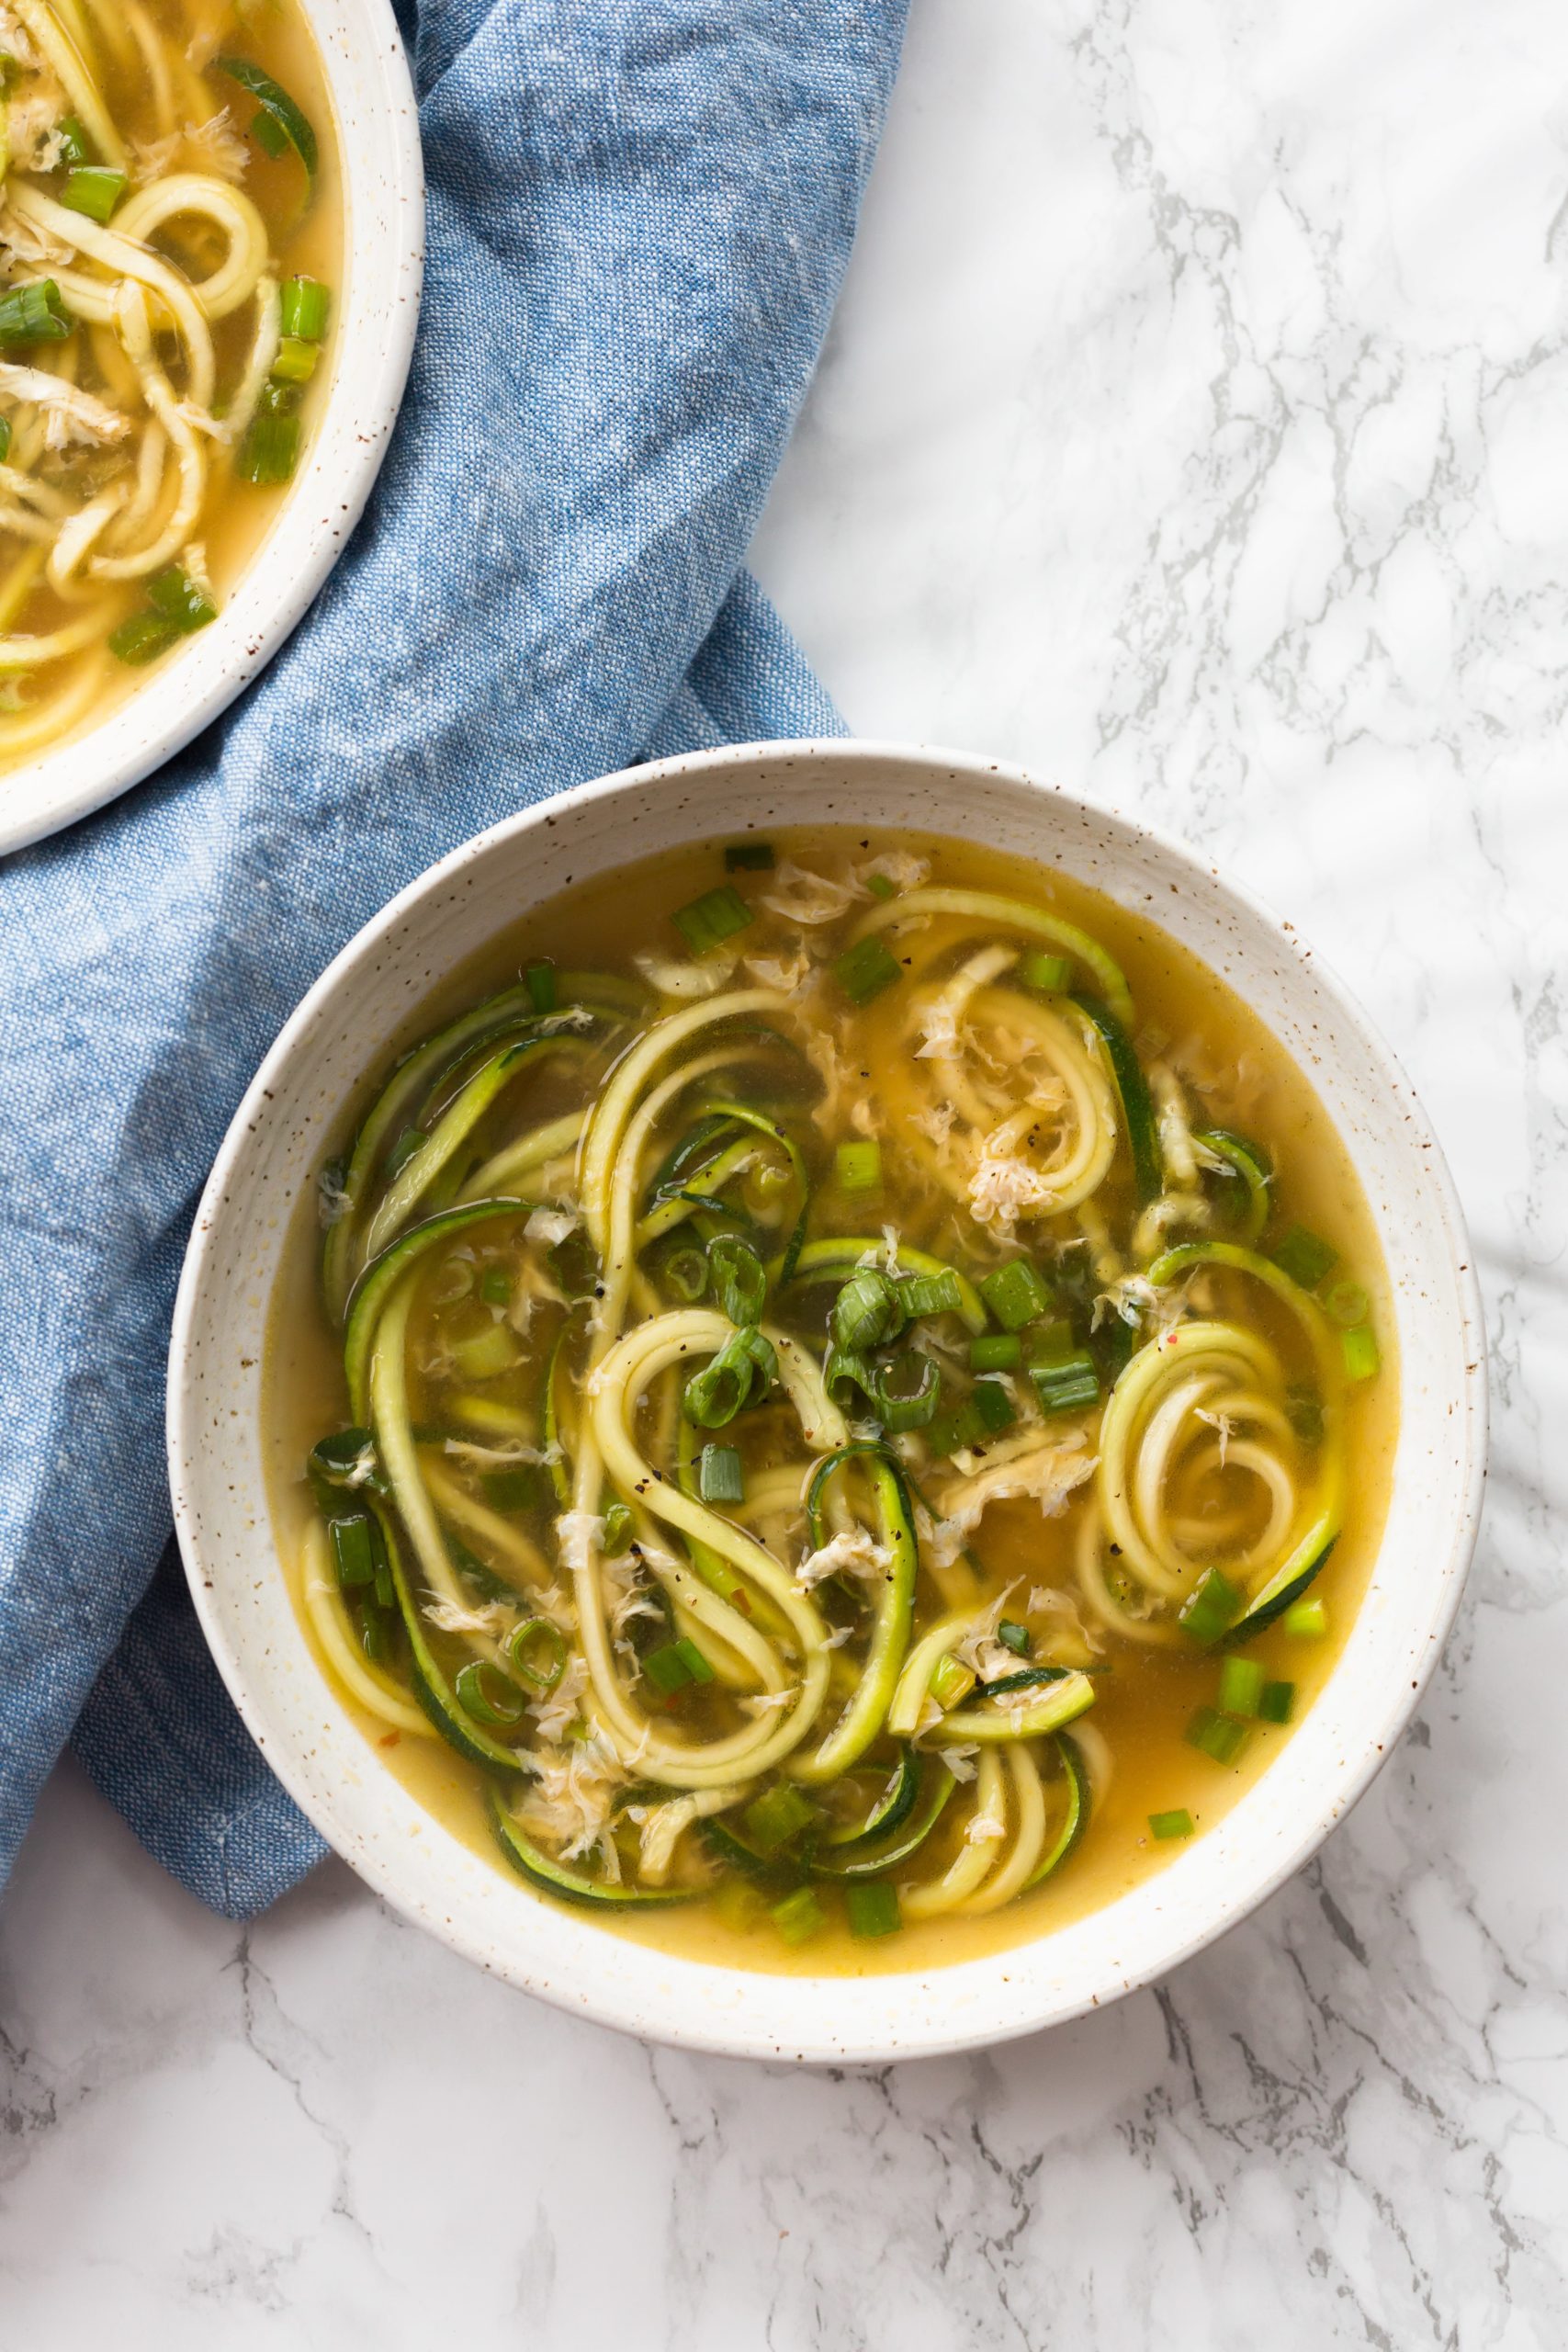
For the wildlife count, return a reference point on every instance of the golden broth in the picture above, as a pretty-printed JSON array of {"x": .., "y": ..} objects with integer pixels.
[
  {"x": 1134, "y": 1737},
  {"x": 162, "y": 369}
]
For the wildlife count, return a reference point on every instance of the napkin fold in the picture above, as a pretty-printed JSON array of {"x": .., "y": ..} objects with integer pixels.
[{"x": 639, "y": 212}]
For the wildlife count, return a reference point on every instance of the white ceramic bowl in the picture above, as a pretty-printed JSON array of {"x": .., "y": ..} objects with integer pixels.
[
  {"x": 278, "y": 1140},
  {"x": 377, "y": 310}
]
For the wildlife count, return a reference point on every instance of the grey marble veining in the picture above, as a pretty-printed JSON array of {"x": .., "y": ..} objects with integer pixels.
[{"x": 1195, "y": 429}]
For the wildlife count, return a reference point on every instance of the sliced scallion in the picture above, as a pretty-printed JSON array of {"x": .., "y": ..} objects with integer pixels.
[
  {"x": 870, "y": 1905},
  {"x": 799, "y": 1917},
  {"x": 1068, "y": 1386},
  {"x": 865, "y": 969},
  {"x": 716, "y": 916},
  {"x": 34, "y": 313},
  {"x": 1221, "y": 1736},
  {"x": 1212, "y": 1607},
  {"x": 303, "y": 305},
  {"x": 94, "y": 191},
  {"x": 1177, "y": 1822},
  {"x": 1016, "y": 1294},
  {"x": 1050, "y": 974},
  {"x": 857, "y": 1167},
  {"x": 867, "y": 1312},
  {"x": 930, "y": 1294},
  {"x": 489, "y": 1696},
  {"x": 1360, "y": 1348},
  {"x": 1306, "y": 1620},
  {"x": 739, "y": 1280},
  {"x": 1305, "y": 1256},
  {"x": 715, "y": 1395},
  {"x": 1241, "y": 1686},
  {"x": 998, "y": 1352},
  {"x": 748, "y": 857},
  {"x": 353, "y": 1551},
  {"x": 538, "y": 1653},
  {"x": 779, "y": 1815},
  {"x": 901, "y": 1406},
  {"x": 720, "y": 1479},
  {"x": 1276, "y": 1702},
  {"x": 176, "y": 597},
  {"x": 1015, "y": 1637}
]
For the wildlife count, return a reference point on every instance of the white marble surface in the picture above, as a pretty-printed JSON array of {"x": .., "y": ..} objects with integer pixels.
[{"x": 1196, "y": 428}]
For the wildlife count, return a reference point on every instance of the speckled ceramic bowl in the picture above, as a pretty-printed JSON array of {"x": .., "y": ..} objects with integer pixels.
[
  {"x": 276, "y": 1142},
  {"x": 378, "y": 305}
]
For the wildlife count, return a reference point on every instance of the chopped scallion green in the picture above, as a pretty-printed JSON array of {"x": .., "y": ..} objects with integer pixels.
[
  {"x": 270, "y": 451},
  {"x": 880, "y": 887},
  {"x": 142, "y": 638},
  {"x": 867, "y": 1311},
  {"x": 74, "y": 147},
  {"x": 871, "y": 1906},
  {"x": 538, "y": 1653},
  {"x": 302, "y": 309},
  {"x": 1016, "y": 1294},
  {"x": 748, "y": 857},
  {"x": 495, "y": 1287},
  {"x": 354, "y": 1551},
  {"x": 1306, "y": 1620},
  {"x": 667, "y": 1669},
  {"x": 858, "y": 1166},
  {"x": 488, "y": 1695},
  {"x": 1347, "y": 1303},
  {"x": 1221, "y": 1736},
  {"x": 176, "y": 597},
  {"x": 1050, "y": 974},
  {"x": 296, "y": 361},
  {"x": 693, "y": 1660},
  {"x": 1175, "y": 1824},
  {"x": 776, "y": 1816},
  {"x": 1276, "y": 1703},
  {"x": 93, "y": 191},
  {"x": 618, "y": 1525},
  {"x": 1305, "y": 1256},
  {"x": 1209, "y": 1609},
  {"x": 798, "y": 1917},
  {"x": 720, "y": 1479},
  {"x": 1068, "y": 1386},
  {"x": 716, "y": 916},
  {"x": 1241, "y": 1686},
  {"x": 930, "y": 1294},
  {"x": 1360, "y": 1348},
  {"x": 865, "y": 969},
  {"x": 951, "y": 1681},
  {"x": 539, "y": 979},
  {"x": 1015, "y": 1637},
  {"x": 998, "y": 1352}
]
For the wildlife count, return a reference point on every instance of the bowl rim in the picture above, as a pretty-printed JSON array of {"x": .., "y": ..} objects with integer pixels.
[
  {"x": 688, "y": 2024},
  {"x": 366, "y": 70}
]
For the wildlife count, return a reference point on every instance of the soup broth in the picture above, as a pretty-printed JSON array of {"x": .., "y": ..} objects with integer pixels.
[
  {"x": 169, "y": 246},
  {"x": 836, "y": 1406}
]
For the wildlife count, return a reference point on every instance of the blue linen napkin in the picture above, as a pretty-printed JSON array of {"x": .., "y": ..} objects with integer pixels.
[{"x": 640, "y": 213}]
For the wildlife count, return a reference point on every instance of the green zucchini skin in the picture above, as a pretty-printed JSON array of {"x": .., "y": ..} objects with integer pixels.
[
  {"x": 1249, "y": 1164},
  {"x": 1076, "y": 1822},
  {"x": 573, "y": 1886},
  {"x": 429, "y": 1684},
  {"x": 883, "y": 1854},
  {"x": 1132, "y": 1090},
  {"x": 866, "y": 1713},
  {"x": 728, "y": 1847},
  {"x": 892, "y": 1809},
  {"x": 381, "y": 1277},
  {"x": 1275, "y": 1599}
]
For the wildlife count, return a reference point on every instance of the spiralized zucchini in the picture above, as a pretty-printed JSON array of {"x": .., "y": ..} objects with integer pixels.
[{"x": 686, "y": 1398}]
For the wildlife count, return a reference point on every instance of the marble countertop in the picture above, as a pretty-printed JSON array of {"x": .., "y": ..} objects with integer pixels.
[{"x": 1195, "y": 430}]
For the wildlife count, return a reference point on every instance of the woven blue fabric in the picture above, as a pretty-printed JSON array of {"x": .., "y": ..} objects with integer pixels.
[{"x": 639, "y": 212}]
